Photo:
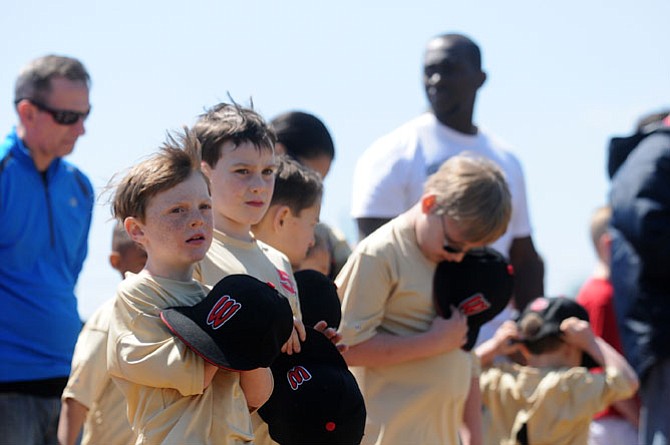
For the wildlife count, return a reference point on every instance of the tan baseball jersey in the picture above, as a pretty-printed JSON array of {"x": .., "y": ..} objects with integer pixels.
[
  {"x": 161, "y": 378},
  {"x": 555, "y": 404},
  {"x": 229, "y": 256},
  {"x": 386, "y": 286},
  {"x": 91, "y": 385}
]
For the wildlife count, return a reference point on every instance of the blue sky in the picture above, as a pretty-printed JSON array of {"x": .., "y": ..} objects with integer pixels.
[{"x": 562, "y": 78}]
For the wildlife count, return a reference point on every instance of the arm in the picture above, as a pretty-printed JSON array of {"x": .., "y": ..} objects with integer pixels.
[
  {"x": 500, "y": 344},
  {"x": 630, "y": 410},
  {"x": 471, "y": 430},
  {"x": 72, "y": 417},
  {"x": 383, "y": 349},
  {"x": 368, "y": 225},
  {"x": 578, "y": 332},
  {"x": 257, "y": 386},
  {"x": 528, "y": 272}
]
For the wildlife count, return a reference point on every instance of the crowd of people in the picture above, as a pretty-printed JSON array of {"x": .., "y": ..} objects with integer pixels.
[{"x": 241, "y": 318}]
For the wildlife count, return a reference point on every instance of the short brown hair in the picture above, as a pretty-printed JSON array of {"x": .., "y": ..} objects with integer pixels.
[
  {"x": 472, "y": 191},
  {"x": 34, "y": 80},
  {"x": 231, "y": 122},
  {"x": 529, "y": 325},
  {"x": 176, "y": 160},
  {"x": 296, "y": 186}
]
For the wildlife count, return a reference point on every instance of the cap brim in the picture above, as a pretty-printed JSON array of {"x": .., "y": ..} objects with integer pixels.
[{"x": 198, "y": 341}]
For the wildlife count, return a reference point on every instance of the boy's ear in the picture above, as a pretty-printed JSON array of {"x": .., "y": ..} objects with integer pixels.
[
  {"x": 428, "y": 203},
  {"x": 134, "y": 228},
  {"x": 281, "y": 213},
  {"x": 206, "y": 169}
]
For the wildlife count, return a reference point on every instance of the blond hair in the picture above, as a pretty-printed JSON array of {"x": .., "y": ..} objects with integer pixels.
[
  {"x": 599, "y": 222},
  {"x": 473, "y": 192}
]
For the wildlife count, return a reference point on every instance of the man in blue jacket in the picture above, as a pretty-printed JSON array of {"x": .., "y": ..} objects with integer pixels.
[
  {"x": 46, "y": 207},
  {"x": 640, "y": 274}
]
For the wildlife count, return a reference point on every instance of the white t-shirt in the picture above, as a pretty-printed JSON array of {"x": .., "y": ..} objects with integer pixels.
[{"x": 390, "y": 175}]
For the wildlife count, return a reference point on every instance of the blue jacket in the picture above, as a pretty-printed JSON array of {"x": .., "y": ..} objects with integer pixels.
[
  {"x": 640, "y": 200},
  {"x": 44, "y": 224}
]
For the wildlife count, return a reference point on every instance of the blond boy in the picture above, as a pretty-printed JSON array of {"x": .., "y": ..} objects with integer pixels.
[
  {"x": 173, "y": 395},
  {"x": 419, "y": 385}
]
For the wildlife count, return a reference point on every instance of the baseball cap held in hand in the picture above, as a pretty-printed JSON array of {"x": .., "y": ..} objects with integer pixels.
[
  {"x": 316, "y": 399},
  {"x": 240, "y": 325},
  {"x": 318, "y": 298},
  {"x": 480, "y": 286}
]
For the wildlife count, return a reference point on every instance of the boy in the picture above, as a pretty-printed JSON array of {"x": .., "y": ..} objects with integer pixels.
[
  {"x": 91, "y": 399},
  {"x": 419, "y": 385},
  {"x": 288, "y": 225},
  {"x": 305, "y": 138},
  {"x": 553, "y": 398},
  {"x": 173, "y": 395},
  {"x": 618, "y": 423},
  {"x": 237, "y": 149}
]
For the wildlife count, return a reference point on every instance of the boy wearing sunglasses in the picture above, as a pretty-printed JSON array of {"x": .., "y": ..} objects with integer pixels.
[
  {"x": 419, "y": 385},
  {"x": 46, "y": 207}
]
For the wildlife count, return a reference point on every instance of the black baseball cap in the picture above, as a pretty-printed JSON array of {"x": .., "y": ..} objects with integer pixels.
[
  {"x": 240, "y": 325},
  {"x": 480, "y": 286},
  {"x": 316, "y": 399},
  {"x": 318, "y": 298},
  {"x": 552, "y": 312}
]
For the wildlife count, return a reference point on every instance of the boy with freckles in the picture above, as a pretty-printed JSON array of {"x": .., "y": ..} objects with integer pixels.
[{"x": 173, "y": 395}]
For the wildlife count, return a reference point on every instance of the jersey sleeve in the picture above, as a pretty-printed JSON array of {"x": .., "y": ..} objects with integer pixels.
[
  {"x": 363, "y": 287},
  {"x": 89, "y": 376},
  {"x": 142, "y": 350}
]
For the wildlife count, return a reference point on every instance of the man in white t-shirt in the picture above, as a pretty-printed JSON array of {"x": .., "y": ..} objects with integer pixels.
[{"x": 390, "y": 175}]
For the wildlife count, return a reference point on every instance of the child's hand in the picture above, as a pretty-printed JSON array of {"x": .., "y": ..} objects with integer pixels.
[
  {"x": 577, "y": 332},
  {"x": 297, "y": 335},
  {"x": 505, "y": 338},
  {"x": 450, "y": 333},
  {"x": 332, "y": 335}
]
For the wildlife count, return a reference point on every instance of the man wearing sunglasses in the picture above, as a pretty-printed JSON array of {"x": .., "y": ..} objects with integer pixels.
[{"x": 46, "y": 207}]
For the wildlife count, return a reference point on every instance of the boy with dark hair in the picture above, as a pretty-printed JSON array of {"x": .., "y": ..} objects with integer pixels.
[
  {"x": 554, "y": 397},
  {"x": 305, "y": 138},
  {"x": 238, "y": 158},
  {"x": 288, "y": 225},
  {"x": 173, "y": 395},
  {"x": 91, "y": 400}
]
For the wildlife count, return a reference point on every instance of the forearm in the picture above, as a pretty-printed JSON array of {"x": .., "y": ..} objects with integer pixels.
[
  {"x": 630, "y": 410},
  {"x": 72, "y": 418},
  {"x": 528, "y": 272},
  {"x": 606, "y": 356},
  {"x": 387, "y": 349},
  {"x": 487, "y": 352},
  {"x": 257, "y": 386},
  {"x": 471, "y": 431}
]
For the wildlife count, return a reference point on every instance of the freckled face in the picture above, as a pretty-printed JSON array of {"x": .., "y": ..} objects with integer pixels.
[
  {"x": 242, "y": 183},
  {"x": 177, "y": 230}
]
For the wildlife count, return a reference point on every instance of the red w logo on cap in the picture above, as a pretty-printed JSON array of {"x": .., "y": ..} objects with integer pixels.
[
  {"x": 223, "y": 310},
  {"x": 474, "y": 304},
  {"x": 297, "y": 376}
]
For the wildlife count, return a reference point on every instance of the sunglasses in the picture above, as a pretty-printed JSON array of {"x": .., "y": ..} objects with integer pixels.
[
  {"x": 61, "y": 117},
  {"x": 447, "y": 247}
]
